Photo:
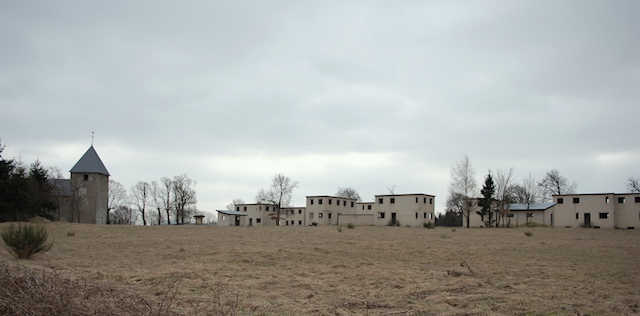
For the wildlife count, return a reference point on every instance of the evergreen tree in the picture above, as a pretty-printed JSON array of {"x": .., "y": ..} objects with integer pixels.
[{"x": 488, "y": 192}]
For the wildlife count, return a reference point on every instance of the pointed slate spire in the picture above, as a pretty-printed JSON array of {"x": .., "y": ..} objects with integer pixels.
[{"x": 90, "y": 163}]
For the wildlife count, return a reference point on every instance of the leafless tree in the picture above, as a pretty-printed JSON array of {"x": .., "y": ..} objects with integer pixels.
[
  {"x": 529, "y": 193},
  {"x": 140, "y": 195},
  {"x": 463, "y": 183},
  {"x": 232, "y": 206},
  {"x": 161, "y": 197},
  {"x": 117, "y": 197},
  {"x": 455, "y": 203},
  {"x": 503, "y": 180},
  {"x": 348, "y": 193},
  {"x": 634, "y": 184},
  {"x": 279, "y": 194},
  {"x": 555, "y": 184},
  {"x": 121, "y": 215},
  {"x": 392, "y": 189},
  {"x": 184, "y": 197}
]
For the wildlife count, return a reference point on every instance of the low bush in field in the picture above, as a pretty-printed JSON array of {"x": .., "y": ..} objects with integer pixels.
[
  {"x": 534, "y": 224},
  {"x": 428, "y": 225},
  {"x": 25, "y": 240}
]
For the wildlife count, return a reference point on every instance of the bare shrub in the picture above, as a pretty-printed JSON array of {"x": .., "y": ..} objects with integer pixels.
[
  {"x": 26, "y": 291},
  {"x": 25, "y": 240}
]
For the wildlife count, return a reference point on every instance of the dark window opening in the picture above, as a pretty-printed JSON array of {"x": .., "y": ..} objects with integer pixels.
[{"x": 576, "y": 200}]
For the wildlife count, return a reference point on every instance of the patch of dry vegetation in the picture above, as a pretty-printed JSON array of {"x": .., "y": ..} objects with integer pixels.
[{"x": 364, "y": 271}]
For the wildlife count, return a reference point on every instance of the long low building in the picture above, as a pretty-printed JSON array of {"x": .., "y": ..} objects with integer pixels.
[
  {"x": 597, "y": 210},
  {"x": 397, "y": 209}
]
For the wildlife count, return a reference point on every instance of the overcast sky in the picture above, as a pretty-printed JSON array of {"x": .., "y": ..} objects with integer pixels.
[{"x": 362, "y": 94}]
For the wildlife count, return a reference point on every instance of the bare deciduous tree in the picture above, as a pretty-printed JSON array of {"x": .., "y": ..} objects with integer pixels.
[
  {"x": 140, "y": 194},
  {"x": 529, "y": 193},
  {"x": 121, "y": 215},
  {"x": 232, "y": 206},
  {"x": 503, "y": 180},
  {"x": 634, "y": 184},
  {"x": 392, "y": 189},
  {"x": 117, "y": 197},
  {"x": 348, "y": 193},
  {"x": 184, "y": 197},
  {"x": 463, "y": 183},
  {"x": 279, "y": 194},
  {"x": 555, "y": 184}
]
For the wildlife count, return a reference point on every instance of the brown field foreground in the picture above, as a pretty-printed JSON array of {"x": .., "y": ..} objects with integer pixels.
[{"x": 208, "y": 270}]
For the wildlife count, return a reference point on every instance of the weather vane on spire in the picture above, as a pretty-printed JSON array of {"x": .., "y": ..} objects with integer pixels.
[{"x": 91, "y": 139}]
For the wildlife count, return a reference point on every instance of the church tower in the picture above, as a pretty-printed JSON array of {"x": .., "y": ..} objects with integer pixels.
[{"x": 90, "y": 190}]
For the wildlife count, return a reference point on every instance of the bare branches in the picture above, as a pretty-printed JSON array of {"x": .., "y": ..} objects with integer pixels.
[
  {"x": 555, "y": 184},
  {"x": 279, "y": 194},
  {"x": 232, "y": 206},
  {"x": 348, "y": 193},
  {"x": 463, "y": 183},
  {"x": 117, "y": 198},
  {"x": 633, "y": 185},
  {"x": 140, "y": 193},
  {"x": 185, "y": 199}
]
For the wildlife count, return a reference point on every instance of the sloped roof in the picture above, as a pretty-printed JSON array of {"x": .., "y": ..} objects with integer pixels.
[
  {"x": 232, "y": 212},
  {"x": 90, "y": 163},
  {"x": 532, "y": 207}
]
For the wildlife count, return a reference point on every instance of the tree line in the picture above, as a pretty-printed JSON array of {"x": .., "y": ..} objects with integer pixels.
[
  {"x": 168, "y": 200},
  {"x": 499, "y": 190},
  {"x": 25, "y": 192}
]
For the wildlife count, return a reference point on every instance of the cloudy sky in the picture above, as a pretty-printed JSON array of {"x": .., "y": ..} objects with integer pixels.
[{"x": 362, "y": 94}]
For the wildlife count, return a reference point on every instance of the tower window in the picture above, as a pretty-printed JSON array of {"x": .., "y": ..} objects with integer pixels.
[{"x": 86, "y": 177}]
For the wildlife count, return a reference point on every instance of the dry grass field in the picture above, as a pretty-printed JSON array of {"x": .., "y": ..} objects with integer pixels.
[{"x": 212, "y": 270}]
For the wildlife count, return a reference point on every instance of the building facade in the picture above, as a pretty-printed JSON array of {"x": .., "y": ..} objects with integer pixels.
[
  {"x": 326, "y": 210},
  {"x": 601, "y": 210}
]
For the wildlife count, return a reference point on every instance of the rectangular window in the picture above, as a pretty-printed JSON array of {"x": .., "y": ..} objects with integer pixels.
[
  {"x": 299, "y": 222},
  {"x": 392, "y": 201},
  {"x": 380, "y": 214},
  {"x": 329, "y": 215},
  {"x": 424, "y": 215},
  {"x": 224, "y": 217},
  {"x": 621, "y": 200},
  {"x": 380, "y": 201},
  {"x": 311, "y": 215},
  {"x": 344, "y": 203},
  {"x": 329, "y": 201},
  {"x": 560, "y": 200},
  {"x": 530, "y": 215},
  {"x": 86, "y": 177},
  {"x": 319, "y": 201},
  {"x": 425, "y": 201},
  {"x": 606, "y": 200},
  {"x": 311, "y": 201},
  {"x": 319, "y": 215},
  {"x": 266, "y": 208},
  {"x": 238, "y": 208},
  {"x": 416, "y": 199},
  {"x": 299, "y": 211},
  {"x": 416, "y": 214},
  {"x": 258, "y": 220},
  {"x": 577, "y": 215},
  {"x": 637, "y": 199},
  {"x": 245, "y": 208},
  {"x": 430, "y": 216},
  {"x": 576, "y": 200},
  {"x": 369, "y": 206},
  {"x": 604, "y": 215},
  {"x": 351, "y": 203},
  {"x": 509, "y": 215},
  {"x": 363, "y": 207},
  {"x": 430, "y": 201}
]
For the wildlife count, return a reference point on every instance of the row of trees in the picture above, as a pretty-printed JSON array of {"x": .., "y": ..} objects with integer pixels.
[
  {"x": 499, "y": 190},
  {"x": 156, "y": 202}
]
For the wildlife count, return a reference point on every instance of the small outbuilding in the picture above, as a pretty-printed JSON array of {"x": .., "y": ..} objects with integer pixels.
[{"x": 231, "y": 218}]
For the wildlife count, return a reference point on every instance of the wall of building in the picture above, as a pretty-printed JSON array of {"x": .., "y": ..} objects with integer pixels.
[
  {"x": 89, "y": 199},
  {"x": 585, "y": 210},
  {"x": 324, "y": 209},
  {"x": 627, "y": 211},
  {"x": 405, "y": 209}
]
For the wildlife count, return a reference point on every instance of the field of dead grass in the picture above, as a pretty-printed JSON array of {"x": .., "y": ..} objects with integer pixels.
[{"x": 361, "y": 271}]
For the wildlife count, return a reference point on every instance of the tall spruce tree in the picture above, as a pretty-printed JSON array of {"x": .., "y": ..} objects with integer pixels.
[{"x": 488, "y": 192}]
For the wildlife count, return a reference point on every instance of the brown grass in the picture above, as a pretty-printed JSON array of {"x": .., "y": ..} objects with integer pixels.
[{"x": 365, "y": 271}]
